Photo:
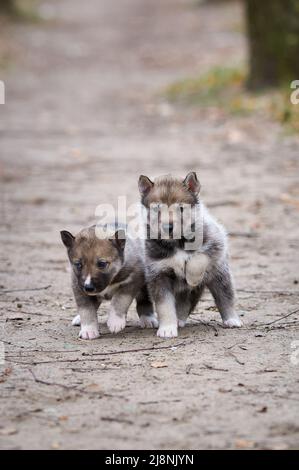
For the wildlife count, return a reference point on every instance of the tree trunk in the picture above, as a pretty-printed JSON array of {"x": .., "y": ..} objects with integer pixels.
[
  {"x": 273, "y": 31},
  {"x": 8, "y": 6}
]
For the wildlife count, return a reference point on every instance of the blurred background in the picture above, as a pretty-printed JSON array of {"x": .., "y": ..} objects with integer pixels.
[
  {"x": 216, "y": 58},
  {"x": 98, "y": 93}
]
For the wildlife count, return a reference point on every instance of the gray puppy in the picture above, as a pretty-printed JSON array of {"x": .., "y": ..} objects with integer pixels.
[
  {"x": 107, "y": 268},
  {"x": 177, "y": 271}
]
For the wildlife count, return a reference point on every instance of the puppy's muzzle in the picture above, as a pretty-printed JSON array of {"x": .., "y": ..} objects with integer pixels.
[{"x": 89, "y": 287}]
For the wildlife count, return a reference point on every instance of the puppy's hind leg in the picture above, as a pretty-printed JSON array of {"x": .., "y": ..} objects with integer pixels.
[
  {"x": 183, "y": 307},
  {"x": 186, "y": 301},
  {"x": 145, "y": 310},
  {"x": 221, "y": 288}
]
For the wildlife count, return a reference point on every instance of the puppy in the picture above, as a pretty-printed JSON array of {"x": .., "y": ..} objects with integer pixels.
[
  {"x": 179, "y": 267},
  {"x": 107, "y": 268}
]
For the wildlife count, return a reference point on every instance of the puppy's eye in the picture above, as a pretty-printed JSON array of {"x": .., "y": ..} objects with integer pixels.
[
  {"x": 78, "y": 264},
  {"x": 101, "y": 264}
]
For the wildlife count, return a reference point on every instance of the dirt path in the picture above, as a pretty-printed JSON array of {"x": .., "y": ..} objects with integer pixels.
[{"x": 83, "y": 119}]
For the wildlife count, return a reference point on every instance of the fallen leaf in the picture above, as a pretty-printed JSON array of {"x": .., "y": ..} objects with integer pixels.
[
  {"x": 280, "y": 447},
  {"x": 264, "y": 409},
  {"x": 55, "y": 445},
  {"x": 158, "y": 364},
  {"x": 93, "y": 388},
  {"x": 38, "y": 201},
  {"x": 289, "y": 200},
  {"x": 5, "y": 374},
  {"x": 8, "y": 431},
  {"x": 63, "y": 418},
  {"x": 76, "y": 152},
  {"x": 243, "y": 444}
]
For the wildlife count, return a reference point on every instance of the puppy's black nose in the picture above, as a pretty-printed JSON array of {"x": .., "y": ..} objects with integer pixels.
[{"x": 89, "y": 287}]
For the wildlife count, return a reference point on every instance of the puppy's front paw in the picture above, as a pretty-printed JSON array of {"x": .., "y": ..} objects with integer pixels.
[
  {"x": 148, "y": 321},
  {"x": 182, "y": 323},
  {"x": 89, "y": 332},
  {"x": 76, "y": 321},
  {"x": 168, "y": 331},
  {"x": 233, "y": 322},
  {"x": 116, "y": 323}
]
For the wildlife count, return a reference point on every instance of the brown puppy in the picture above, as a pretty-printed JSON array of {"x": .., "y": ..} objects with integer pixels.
[{"x": 108, "y": 268}]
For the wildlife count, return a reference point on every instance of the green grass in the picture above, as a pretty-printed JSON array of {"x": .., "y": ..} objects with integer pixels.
[
  {"x": 14, "y": 11},
  {"x": 20, "y": 10},
  {"x": 225, "y": 88}
]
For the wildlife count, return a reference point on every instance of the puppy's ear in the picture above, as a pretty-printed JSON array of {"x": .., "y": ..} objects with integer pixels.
[
  {"x": 144, "y": 185},
  {"x": 192, "y": 183},
  {"x": 119, "y": 239},
  {"x": 67, "y": 238}
]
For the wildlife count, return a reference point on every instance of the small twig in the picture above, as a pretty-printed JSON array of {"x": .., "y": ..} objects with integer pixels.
[
  {"x": 91, "y": 371},
  {"x": 35, "y": 363},
  {"x": 124, "y": 351},
  {"x": 24, "y": 290},
  {"x": 223, "y": 203},
  {"x": 23, "y": 353},
  {"x": 44, "y": 382},
  {"x": 281, "y": 318},
  {"x": 277, "y": 292},
  {"x": 15, "y": 319},
  {"x": 90, "y": 359},
  {"x": 10, "y": 343},
  {"x": 208, "y": 366},
  {"x": 29, "y": 313},
  {"x": 233, "y": 345},
  {"x": 265, "y": 371},
  {"x": 243, "y": 234},
  {"x": 68, "y": 387},
  {"x": 236, "y": 359},
  {"x": 116, "y": 420},
  {"x": 209, "y": 325},
  {"x": 152, "y": 402},
  {"x": 263, "y": 392}
]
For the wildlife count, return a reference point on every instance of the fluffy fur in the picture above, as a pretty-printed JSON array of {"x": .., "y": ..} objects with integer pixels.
[
  {"x": 177, "y": 276},
  {"x": 107, "y": 268}
]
